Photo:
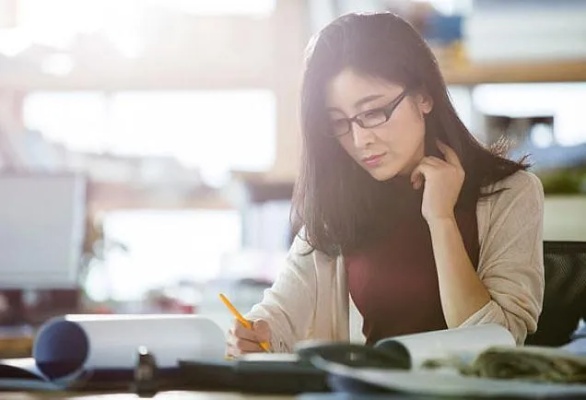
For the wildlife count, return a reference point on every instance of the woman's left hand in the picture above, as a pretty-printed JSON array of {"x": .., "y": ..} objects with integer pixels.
[{"x": 442, "y": 181}]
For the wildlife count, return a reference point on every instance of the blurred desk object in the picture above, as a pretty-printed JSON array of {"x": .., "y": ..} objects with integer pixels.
[
  {"x": 22, "y": 313},
  {"x": 16, "y": 341},
  {"x": 33, "y": 307},
  {"x": 179, "y": 395},
  {"x": 16, "y": 334}
]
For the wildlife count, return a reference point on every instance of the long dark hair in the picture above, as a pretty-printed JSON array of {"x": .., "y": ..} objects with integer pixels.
[{"x": 338, "y": 203}]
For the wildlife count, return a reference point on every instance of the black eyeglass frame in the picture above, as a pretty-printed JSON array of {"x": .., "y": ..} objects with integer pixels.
[{"x": 387, "y": 111}]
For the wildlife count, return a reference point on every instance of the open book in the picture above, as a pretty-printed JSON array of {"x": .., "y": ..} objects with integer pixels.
[
  {"x": 459, "y": 344},
  {"x": 76, "y": 351},
  {"x": 470, "y": 361}
]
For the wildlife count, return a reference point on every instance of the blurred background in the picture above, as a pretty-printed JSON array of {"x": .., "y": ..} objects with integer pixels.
[{"x": 148, "y": 148}]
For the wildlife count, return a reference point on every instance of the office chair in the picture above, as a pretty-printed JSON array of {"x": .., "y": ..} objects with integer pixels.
[{"x": 564, "y": 303}]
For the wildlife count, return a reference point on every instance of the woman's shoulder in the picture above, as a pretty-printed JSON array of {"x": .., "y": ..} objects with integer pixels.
[
  {"x": 514, "y": 200},
  {"x": 521, "y": 185},
  {"x": 301, "y": 245},
  {"x": 301, "y": 248},
  {"x": 519, "y": 181}
]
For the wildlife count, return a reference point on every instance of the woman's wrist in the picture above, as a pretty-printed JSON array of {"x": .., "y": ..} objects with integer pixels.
[{"x": 441, "y": 220}]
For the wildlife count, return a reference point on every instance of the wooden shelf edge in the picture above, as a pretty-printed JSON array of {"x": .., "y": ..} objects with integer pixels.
[{"x": 527, "y": 72}]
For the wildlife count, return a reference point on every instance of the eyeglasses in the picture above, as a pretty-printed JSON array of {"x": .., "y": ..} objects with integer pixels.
[{"x": 366, "y": 119}]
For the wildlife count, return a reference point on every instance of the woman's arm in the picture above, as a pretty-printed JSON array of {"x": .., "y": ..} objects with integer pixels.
[
  {"x": 511, "y": 257},
  {"x": 462, "y": 293},
  {"x": 508, "y": 287},
  {"x": 289, "y": 305}
]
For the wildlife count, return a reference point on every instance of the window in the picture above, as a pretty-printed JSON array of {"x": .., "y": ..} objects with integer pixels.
[
  {"x": 163, "y": 248},
  {"x": 212, "y": 130},
  {"x": 121, "y": 22}
]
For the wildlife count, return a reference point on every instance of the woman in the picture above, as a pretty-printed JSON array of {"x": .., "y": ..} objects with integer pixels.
[{"x": 401, "y": 210}]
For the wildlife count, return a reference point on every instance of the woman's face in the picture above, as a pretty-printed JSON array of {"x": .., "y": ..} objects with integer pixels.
[{"x": 383, "y": 148}]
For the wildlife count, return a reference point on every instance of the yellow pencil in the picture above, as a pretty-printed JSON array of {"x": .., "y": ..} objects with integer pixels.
[{"x": 265, "y": 346}]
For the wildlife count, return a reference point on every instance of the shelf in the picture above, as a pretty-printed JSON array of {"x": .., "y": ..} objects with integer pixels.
[
  {"x": 106, "y": 196},
  {"x": 137, "y": 78},
  {"x": 560, "y": 71}
]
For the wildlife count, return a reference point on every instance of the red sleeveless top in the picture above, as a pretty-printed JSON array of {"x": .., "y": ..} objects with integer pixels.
[{"x": 394, "y": 282}]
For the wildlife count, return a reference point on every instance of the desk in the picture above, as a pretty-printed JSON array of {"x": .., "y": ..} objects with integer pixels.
[
  {"x": 178, "y": 395},
  {"x": 16, "y": 341}
]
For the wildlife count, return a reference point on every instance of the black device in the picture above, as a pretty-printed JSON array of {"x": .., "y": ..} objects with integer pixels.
[{"x": 293, "y": 376}]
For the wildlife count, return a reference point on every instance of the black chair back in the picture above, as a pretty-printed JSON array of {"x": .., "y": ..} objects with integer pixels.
[{"x": 564, "y": 302}]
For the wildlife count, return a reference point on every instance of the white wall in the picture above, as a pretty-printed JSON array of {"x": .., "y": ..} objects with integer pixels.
[{"x": 565, "y": 218}]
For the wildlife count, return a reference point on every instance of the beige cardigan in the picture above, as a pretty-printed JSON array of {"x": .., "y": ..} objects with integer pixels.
[{"x": 310, "y": 298}]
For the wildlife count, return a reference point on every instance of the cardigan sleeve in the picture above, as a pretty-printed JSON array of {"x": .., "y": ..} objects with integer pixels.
[
  {"x": 511, "y": 256},
  {"x": 289, "y": 305}
]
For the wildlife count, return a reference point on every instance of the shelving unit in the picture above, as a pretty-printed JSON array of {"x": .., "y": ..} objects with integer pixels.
[{"x": 127, "y": 78}]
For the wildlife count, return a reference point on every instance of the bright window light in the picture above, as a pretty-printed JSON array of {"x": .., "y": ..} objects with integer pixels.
[
  {"x": 203, "y": 128},
  {"x": 58, "y": 22},
  {"x": 75, "y": 119},
  {"x": 163, "y": 248},
  {"x": 121, "y": 23},
  {"x": 260, "y": 8},
  {"x": 448, "y": 6},
  {"x": 212, "y": 130}
]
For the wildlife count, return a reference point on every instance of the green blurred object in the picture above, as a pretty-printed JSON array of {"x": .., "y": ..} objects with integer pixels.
[{"x": 564, "y": 181}]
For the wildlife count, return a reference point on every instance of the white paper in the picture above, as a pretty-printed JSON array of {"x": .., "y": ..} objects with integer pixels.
[
  {"x": 113, "y": 340},
  {"x": 449, "y": 383},
  {"x": 576, "y": 346},
  {"x": 464, "y": 343},
  {"x": 279, "y": 357}
]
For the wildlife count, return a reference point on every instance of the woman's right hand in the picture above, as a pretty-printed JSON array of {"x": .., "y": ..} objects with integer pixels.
[{"x": 242, "y": 340}]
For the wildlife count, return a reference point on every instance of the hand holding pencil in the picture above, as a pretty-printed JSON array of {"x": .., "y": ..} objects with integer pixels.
[{"x": 246, "y": 336}]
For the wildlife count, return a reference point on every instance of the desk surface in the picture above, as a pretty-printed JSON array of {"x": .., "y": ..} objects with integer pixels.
[{"x": 178, "y": 395}]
